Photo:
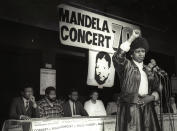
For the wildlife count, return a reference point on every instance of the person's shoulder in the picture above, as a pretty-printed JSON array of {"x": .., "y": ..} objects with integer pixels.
[
  {"x": 66, "y": 103},
  {"x": 100, "y": 101},
  {"x": 111, "y": 103},
  {"x": 58, "y": 101},
  {"x": 78, "y": 102},
  {"x": 87, "y": 102},
  {"x": 41, "y": 102},
  {"x": 16, "y": 99}
]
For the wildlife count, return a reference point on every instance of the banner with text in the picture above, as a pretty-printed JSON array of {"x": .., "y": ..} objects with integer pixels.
[
  {"x": 85, "y": 29},
  {"x": 85, "y": 124}
]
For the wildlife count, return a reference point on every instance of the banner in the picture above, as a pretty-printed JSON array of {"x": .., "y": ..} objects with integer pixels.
[
  {"x": 85, "y": 29},
  {"x": 100, "y": 69},
  {"x": 47, "y": 78},
  {"x": 77, "y": 124},
  {"x": 85, "y": 124}
]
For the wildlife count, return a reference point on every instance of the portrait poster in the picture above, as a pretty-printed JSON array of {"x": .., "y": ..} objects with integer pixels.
[
  {"x": 47, "y": 78},
  {"x": 101, "y": 71}
]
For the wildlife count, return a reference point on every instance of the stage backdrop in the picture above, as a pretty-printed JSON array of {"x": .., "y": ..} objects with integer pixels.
[{"x": 100, "y": 34}]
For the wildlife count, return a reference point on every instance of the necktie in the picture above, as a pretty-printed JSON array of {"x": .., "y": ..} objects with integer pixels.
[
  {"x": 27, "y": 105},
  {"x": 74, "y": 110}
]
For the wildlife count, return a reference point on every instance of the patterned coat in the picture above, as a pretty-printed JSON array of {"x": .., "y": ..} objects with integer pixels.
[{"x": 132, "y": 117}]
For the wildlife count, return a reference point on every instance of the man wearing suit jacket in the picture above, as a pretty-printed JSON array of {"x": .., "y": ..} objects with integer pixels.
[
  {"x": 24, "y": 107},
  {"x": 73, "y": 107}
]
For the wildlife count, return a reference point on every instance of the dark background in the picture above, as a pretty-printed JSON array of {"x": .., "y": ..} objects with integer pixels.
[{"x": 29, "y": 38}]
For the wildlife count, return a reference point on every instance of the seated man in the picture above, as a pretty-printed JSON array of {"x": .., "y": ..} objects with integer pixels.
[
  {"x": 24, "y": 107},
  {"x": 50, "y": 107},
  {"x": 73, "y": 107}
]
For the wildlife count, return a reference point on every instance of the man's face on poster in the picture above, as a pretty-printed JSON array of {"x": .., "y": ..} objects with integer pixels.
[{"x": 102, "y": 70}]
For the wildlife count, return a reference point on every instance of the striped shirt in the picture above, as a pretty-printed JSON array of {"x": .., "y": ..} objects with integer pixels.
[{"x": 50, "y": 109}]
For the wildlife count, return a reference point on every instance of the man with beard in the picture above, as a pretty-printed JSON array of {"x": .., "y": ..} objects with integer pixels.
[
  {"x": 72, "y": 107},
  {"x": 102, "y": 68},
  {"x": 49, "y": 106}
]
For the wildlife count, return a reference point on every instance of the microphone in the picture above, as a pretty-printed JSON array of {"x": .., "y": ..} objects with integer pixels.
[
  {"x": 160, "y": 71},
  {"x": 155, "y": 68},
  {"x": 163, "y": 72}
]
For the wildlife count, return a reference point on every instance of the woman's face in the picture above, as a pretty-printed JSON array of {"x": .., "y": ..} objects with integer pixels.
[
  {"x": 139, "y": 55},
  {"x": 94, "y": 96}
]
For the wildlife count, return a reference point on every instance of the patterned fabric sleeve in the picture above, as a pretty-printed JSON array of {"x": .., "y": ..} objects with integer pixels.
[
  {"x": 120, "y": 61},
  {"x": 60, "y": 105},
  {"x": 41, "y": 110}
]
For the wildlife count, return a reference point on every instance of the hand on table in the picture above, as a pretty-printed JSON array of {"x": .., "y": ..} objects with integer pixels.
[{"x": 23, "y": 117}]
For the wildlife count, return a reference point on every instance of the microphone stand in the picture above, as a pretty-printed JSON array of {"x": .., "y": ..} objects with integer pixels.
[
  {"x": 117, "y": 115},
  {"x": 167, "y": 96},
  {"x": 167, "y": 83},
  {"x": 167, "y": 92},
  {"x": 161, "y": 116}
]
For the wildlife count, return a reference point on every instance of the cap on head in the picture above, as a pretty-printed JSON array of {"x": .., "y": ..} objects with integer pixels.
[{"x": 139, "y": 42}]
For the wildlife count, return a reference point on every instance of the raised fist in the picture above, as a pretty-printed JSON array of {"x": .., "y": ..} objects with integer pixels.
[{"x": 136, "y": 33}]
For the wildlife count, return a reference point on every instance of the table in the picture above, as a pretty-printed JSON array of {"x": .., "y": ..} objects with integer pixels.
[{"x": 78, "y": 123}]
